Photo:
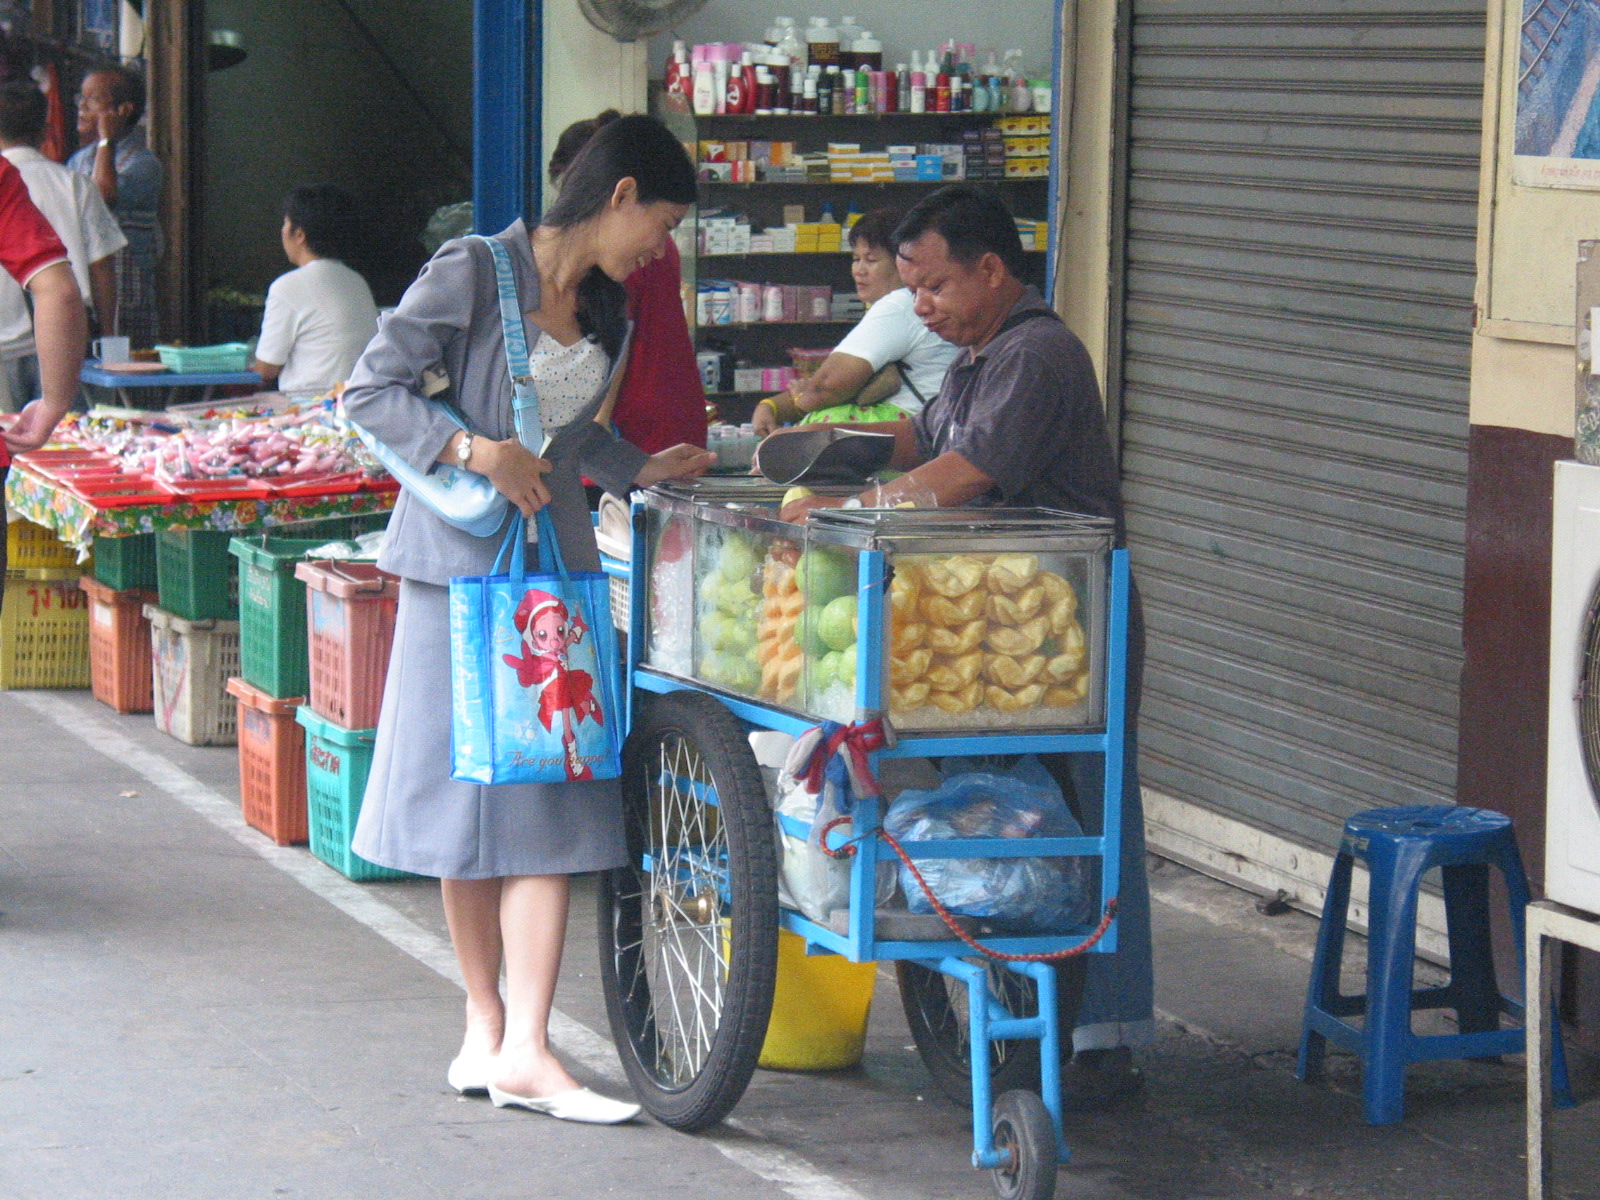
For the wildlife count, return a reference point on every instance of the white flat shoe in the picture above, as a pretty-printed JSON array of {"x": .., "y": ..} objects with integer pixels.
[
  {"x": 582, "y": 1105},
  {"x": 468, "y": 1076}
]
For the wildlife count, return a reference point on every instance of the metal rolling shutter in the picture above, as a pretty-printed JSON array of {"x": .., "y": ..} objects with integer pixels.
[{"x": 1302, "y": 205}]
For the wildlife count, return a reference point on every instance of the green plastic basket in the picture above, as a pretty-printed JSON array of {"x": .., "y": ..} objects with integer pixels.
[
  {"x": 337, "y": 762},
  {"x": 126, "y": 563},
  {"x": 273, "y": 651},
  {"x": 197, "y": 578},
  {"x": 206, "y": 360},
  {"x": 368, "y": 523}
]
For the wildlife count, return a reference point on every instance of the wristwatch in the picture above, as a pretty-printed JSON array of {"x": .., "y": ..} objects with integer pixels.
[{"x": 464, "y": 450}]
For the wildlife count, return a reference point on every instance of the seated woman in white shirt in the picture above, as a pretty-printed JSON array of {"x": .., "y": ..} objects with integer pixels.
[
  {"x": 888, "y": 366},
  {"x": 320, "y": 316}
]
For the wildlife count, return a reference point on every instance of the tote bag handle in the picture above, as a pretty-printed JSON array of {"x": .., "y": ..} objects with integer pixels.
[{"x": 513, "y": 556}]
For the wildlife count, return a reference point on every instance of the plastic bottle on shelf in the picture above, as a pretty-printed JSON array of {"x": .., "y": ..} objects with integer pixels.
[
  {"x": 840, "y": 103},
  {"x": 763, "y": 92},
  {"x": 775, "y": 30},
  {"x": 902, "y": 87},
  {"x": 809, "y": 96},
  {"x": 919, "y": 93},
  {"x": 1019, "y": 91},
  {"x": 705, "y": 84},
  {"x": 824, "y": 90},
  {"x": 719, "y": 77},
  {"x": 941, "y": 92},
  {"x": 792, "y": 44},
  {"x": 863, "y": 90},
  {"x": 849, "y": 30},
  {"x": 868, "y": 51},
  {"x": 782, "y": 101},
  {"x": 891, "y": 91},
  {"x": 740, "y": 95},
  {"x": 672, "y": 81},
  {"x": 822, "y": 42}
]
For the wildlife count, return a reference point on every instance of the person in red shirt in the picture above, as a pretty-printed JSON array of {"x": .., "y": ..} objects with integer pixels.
[
  {"x": 661, "y": 402},
  {"x": 35, "y": 257}
]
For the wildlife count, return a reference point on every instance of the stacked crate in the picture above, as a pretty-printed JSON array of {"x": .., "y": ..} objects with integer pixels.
[
  {"x": 194, "y": 637},
  {"x": 350, "y": 614},
  {"x": 44, "y": 620}
]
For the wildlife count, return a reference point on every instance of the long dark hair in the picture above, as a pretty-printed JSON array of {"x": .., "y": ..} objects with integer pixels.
[{"x": 634, "y": 147}]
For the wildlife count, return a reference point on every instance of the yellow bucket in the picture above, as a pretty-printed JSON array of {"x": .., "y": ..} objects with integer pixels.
[{"x": 819, "y": 1010}]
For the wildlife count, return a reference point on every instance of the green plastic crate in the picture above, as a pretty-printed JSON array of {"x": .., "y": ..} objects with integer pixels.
[
  {"x": 368, "y": 523},
  {"x": 197, "y": 578},
  {"x": 337, "y": 762},
  {"x": 273, "y": 651},
  {"x": 126, "y": 563}
]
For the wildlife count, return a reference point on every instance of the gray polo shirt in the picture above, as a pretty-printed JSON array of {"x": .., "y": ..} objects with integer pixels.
[{"x": 1025, "y": 410}]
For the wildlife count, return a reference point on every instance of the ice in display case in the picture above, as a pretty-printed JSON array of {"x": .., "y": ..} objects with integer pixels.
[{"x": 993, "y": 619}]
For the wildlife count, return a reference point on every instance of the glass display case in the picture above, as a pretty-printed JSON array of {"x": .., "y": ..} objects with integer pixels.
[{"x": 990, "y": 619}]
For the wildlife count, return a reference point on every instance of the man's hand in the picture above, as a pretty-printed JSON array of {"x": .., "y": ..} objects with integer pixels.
[
  {"x": 33, "y": 427},
  {"x": 108, "y": 123},
  {"x": 516, "y": 472},
  {"x": 795, "y": 511},
  {"x": 682, "y": 461}
]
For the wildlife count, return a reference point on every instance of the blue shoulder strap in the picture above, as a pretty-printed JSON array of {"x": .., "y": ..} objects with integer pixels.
[{"x": 524, "y": 396}]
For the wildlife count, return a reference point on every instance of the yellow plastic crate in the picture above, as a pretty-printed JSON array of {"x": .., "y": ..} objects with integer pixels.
[
  {"x": 31, "y": 547},
  {"x": 44, "y": 630}
]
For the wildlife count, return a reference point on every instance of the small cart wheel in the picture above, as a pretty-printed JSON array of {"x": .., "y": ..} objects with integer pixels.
[
  {"x": 936, "y": 1010},
  {"x": 689, "y": 927},
  {"x": 1025, "y": 1134}
]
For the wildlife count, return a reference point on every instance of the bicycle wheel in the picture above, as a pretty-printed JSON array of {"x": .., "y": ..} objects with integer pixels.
[
  {"x": 936, "y": 1010},
  {"x": 689, "y": 928}
]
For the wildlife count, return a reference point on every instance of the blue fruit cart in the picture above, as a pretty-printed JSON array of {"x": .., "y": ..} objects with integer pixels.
[{"x": 689, "y": 927}]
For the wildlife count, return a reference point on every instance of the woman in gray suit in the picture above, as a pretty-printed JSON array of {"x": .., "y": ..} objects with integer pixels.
[{"x": 504, "y": 853}]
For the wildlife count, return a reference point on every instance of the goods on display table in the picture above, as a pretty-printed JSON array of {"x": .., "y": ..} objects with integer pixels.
[{"x": 990, "y": 622}]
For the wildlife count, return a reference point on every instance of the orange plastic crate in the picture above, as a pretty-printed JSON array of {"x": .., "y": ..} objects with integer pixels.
[
  {"x": 272, "y": 763},
  {"x": 350, "y": 608},
  {"x": 119, "y": 646}
]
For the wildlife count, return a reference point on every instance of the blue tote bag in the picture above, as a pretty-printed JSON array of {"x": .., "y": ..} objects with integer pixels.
[{"x": 532, "y": 693}]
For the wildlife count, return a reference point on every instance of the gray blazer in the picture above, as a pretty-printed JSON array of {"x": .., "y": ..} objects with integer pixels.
[{"x": 451, "y": 315}]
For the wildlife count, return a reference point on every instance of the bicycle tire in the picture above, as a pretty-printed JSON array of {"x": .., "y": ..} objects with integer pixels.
[
  {"x": 935, "y": 1008},
  {"x": 693, "y": 917}
]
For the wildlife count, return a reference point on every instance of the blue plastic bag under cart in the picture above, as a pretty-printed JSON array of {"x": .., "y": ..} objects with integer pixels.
[{"x": 1026, "y": 895}]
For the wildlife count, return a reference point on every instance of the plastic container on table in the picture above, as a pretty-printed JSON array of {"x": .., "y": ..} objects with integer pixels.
[
  {"x": 206, "y": 360},
  {"x": 192, "y": 663},
  {"x": 337, "y": 763},
  {"x": 44, "y": 630},
  {"x": 197, "y": 578},
  {"x": 119, "y": 646},
  {"x": 272, "y": 763},
  {"x": 126, "y": 563},
  {"x": 350, "y": 611},
  {"x": 273, "y": 651},
  {"x": 33, "y": 547},
  {"x": 993, "y": 620}
]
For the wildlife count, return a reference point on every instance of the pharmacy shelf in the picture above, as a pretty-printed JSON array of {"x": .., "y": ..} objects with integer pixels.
[{"x": 865, "y": 118}]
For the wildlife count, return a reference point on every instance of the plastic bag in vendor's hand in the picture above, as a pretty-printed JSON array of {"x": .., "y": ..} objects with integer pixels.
[{"x": 1029, "y": 895}]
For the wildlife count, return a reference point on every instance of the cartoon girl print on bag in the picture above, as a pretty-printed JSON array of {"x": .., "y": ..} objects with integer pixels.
[{"x": 548, "y": 631}]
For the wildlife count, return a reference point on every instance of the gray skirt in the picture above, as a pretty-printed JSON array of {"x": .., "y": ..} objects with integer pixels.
[{"x": 416, "y": 818}]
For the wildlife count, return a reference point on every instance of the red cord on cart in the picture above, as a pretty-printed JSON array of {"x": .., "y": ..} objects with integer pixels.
[{"x": 849, "y": 848}]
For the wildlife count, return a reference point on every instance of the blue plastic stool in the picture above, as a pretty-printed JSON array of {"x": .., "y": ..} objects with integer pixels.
[{"x": 1398, "y": 845}]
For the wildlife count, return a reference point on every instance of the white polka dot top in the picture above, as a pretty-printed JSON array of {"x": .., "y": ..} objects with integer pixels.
[{"x": 566, "y": 378}]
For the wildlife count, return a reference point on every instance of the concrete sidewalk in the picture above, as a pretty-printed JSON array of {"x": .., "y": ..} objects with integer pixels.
[{"x": 187, "y": 1011}]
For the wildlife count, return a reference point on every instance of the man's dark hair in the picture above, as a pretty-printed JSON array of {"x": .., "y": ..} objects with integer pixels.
[
  {"x": 23, "y": 112},
  {"x": 574, "y": 138},
  {"x": 972, "y": 220},
  {"x": 127, "y": 87},
  {"x": 876, "y": 228},
  {"x": 329, "y": 218}
]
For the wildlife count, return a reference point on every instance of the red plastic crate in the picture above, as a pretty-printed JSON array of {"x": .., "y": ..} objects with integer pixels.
[
  {"x": 119, "y": 646},
  {"x": 272, "y": 764},
  {"x": 350, "y": 611}
]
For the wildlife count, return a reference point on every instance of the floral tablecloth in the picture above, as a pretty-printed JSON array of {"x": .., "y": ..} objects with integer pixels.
[{"x": 77, "y": 522}]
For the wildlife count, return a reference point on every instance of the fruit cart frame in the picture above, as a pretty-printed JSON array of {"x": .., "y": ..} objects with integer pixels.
[{"x": 700, "y": 891}]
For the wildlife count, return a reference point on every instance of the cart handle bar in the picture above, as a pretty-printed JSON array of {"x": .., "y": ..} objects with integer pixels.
[{"x": 849, "y": 848}]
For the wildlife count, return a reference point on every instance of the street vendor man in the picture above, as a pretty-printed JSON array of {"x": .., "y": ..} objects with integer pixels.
[{"x": 1018, "y": 422}]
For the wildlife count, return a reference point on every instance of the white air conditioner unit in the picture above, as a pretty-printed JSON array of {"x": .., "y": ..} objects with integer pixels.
[{"x": 1572, "y": 824}]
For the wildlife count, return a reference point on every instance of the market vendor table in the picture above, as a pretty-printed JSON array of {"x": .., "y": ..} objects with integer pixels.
[
  {"x": 123, "y": 382},
  {"x": 77, "y": 522},
  {"x": 1547, "y": 923}
]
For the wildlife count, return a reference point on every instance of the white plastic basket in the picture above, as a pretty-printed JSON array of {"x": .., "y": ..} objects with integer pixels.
[
  {"x": 191, "y": 662},
  {"x": 619, "y": 603}
]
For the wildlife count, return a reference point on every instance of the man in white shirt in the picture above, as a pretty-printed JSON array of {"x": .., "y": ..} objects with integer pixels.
[
  {"x": 72, "y": 205},
  {"x": 320, "y": 316}
]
